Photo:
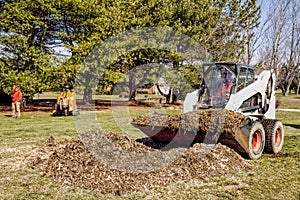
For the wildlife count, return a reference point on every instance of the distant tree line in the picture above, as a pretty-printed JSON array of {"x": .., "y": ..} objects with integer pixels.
[{"x": 276, "y": 44}]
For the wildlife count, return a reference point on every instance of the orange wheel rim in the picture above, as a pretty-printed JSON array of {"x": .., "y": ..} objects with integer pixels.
[
  {"x": 277, "y": 137},
  {"x": 256, "y": 141}
]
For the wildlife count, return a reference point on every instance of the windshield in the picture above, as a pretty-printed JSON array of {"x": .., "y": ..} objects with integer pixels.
[{"x": 218, "y": 84}]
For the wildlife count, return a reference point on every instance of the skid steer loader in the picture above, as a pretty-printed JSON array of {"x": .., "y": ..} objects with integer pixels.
[{"x": 233, "y": 87}]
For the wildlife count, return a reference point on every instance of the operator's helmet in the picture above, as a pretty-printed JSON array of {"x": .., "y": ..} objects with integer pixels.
[
  {"x": 230, "y": 76},
  {"x": 66, "y": 86}
]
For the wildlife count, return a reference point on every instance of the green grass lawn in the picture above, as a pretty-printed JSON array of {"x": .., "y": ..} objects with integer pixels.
[
  {"x": 291, "y": 101},
  {"x": 271, "y": 177}
]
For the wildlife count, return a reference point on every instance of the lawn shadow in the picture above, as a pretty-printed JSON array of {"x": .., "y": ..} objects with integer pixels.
[
  {"x": 8, "y": 115},
  {"x": 297, "y": 126}
]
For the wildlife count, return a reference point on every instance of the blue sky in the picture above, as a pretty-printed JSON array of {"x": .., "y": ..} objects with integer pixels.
[{"x": 265, "y": 4}]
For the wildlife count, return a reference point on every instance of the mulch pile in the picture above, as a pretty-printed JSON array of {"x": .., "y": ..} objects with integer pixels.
[{"x": 111, "y": 163}]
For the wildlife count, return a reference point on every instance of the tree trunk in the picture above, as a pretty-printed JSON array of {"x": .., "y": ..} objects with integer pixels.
[
  {"x": 174, "y": 98},
  {"x": 298, "y": 86},
  {"x": 285, "y": 89},
  {"x": 132, "y": 88},
  {"x": 88, "y": 95},
  {"x": 168, "y": 96},
  {"x": 132, "y": 95}
]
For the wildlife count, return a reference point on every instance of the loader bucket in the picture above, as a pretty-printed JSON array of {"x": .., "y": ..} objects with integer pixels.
[
  {"x": 202, "y": 126},
  {"x": 162, "y": 134}
]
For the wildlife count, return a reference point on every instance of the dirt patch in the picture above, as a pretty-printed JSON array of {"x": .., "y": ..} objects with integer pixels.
[
  {"x": 98, "y": 105},
  {"x": 28, "y": 109},
  {"x": 70, "y": 162}
]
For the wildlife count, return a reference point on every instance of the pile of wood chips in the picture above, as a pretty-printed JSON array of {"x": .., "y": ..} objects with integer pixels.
[{"x": 111, "y": 163}]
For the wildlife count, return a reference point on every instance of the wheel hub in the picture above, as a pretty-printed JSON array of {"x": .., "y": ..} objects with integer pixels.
[
  {"x": 278, "y": 137},
  {"x": 256, "y": 141}
]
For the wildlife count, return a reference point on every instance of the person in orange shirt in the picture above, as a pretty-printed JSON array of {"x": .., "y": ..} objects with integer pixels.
[{"x": 16, "y": 99}]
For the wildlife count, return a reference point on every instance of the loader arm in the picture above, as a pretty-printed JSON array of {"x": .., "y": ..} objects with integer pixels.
[
  {"x": 256, "y": 99},
  {"x": 264, "y": 89}
]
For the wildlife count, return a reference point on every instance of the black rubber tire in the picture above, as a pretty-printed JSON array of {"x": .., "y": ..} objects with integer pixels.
[
  {"x": 256, "y": 140},
  {"x": 274, "y": 135}
]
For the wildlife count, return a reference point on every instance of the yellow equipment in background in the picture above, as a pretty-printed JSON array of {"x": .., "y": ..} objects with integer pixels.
[{"x": 66, "y": 103}]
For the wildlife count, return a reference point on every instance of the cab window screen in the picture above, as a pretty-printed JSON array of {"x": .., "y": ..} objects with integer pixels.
[
  {"x": 250, "y": 77},
  {"x": 242, "y": 78}
]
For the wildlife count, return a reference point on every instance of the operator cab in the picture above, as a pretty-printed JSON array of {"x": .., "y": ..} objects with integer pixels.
[{"x": 221, "y": 80}]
